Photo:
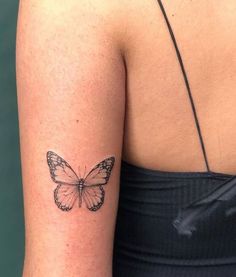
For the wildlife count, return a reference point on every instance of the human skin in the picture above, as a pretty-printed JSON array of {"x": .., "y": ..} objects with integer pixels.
[{"x": 70, "y": 79}]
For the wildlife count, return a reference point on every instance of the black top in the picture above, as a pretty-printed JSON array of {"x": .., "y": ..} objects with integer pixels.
[{"x": 178, "y": 224}]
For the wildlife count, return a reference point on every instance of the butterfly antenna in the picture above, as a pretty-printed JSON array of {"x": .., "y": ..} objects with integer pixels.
[
  {"x": 79, "y": 172},
  {"x": 84, "y": 171}
]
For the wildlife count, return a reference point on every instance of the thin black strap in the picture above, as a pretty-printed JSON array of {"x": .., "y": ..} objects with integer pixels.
[{"x": 186, "y": 82}]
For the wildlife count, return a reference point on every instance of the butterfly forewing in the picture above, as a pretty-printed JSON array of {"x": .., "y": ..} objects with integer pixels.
[
  {"x": 100, "y": 174},
  {"x": 60, "y": 171}
]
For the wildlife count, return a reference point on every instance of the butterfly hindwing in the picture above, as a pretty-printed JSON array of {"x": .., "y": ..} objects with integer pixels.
[
  {"x": 65, "y": 196},
  {"x": 100, "y": 174},
  {"x": 60, "y": 171},
  {"x": 93, "y": 197}
]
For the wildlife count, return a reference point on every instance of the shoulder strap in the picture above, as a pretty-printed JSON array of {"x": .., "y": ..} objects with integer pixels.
[{"x": 186, "y": 82}]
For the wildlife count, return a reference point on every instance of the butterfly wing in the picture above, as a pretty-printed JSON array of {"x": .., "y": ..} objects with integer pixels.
[
  {"x": 60, "y": 171},
  {"x": 65, "y": 196},
  {"x": 66, "y": 193},
  {"x": 93, "y": 193},
  {"x": 93, "y": 197},
  {"x": 100, "y": 174}
]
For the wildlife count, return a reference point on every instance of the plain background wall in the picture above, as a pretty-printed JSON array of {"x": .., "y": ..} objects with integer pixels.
[{"x": 11, "y": 204}]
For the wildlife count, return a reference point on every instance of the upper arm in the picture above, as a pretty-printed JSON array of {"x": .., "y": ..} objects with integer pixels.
[{"x": 71, "y": 97}]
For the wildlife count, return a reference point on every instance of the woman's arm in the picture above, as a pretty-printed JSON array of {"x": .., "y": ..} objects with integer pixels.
[{"x": 71, "y": 96}]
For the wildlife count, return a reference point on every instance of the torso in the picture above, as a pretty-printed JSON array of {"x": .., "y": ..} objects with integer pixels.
[
  {"x": 160, "y": 132},
  {"x": 173, "y": 220}
]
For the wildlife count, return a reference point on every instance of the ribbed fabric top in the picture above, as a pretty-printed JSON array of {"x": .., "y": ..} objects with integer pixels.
[{"x": 175, "y": 223}]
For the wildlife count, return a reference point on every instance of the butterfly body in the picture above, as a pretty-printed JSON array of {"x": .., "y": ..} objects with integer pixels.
[
  {"x": 80, "y": 188},
  {"x": 71, "y": 188}
]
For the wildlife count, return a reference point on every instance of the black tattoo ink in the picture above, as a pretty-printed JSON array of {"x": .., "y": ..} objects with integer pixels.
[{"x": 71, "y": 187}]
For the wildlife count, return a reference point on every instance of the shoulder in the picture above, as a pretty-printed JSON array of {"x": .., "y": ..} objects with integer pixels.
[{"x": 100, "y": 19}]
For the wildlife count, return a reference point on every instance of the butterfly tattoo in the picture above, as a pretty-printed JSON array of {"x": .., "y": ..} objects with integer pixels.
[{"x": 72, "y": 188}]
